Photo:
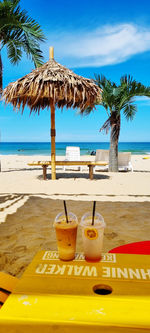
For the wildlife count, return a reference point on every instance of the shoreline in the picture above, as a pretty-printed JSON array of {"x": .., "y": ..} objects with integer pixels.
[
  {"x": 86, "y": 148},
  {"x": 59, "y": 155}
]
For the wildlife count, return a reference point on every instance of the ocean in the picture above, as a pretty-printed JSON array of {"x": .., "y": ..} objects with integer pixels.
[{"x": 44, "y": 148}]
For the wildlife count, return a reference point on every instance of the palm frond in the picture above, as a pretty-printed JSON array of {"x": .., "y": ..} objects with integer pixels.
[
  {"x": 14, "y": 51},
  {"x": 16, "y": 27},
  {"x": 32, "y": 50},
  {"x": 86, "y": 112},
  {"x": 106, "y": 126},
  {"x": 119, "y": 98},
  {"x": 129, "y": 110},
  {"x": 138, "y": 89},
  {"x": 126, "y": 80}
]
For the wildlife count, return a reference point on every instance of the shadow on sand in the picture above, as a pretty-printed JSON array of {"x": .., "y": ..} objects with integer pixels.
[
  {"x": 61, "y": 174},
  {"x": 74, "y": 175}
]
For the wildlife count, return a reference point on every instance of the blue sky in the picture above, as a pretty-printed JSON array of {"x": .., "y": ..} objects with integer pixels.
[{"x": 103, "y": 37}]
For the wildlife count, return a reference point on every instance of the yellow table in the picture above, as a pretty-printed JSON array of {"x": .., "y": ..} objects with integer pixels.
[{"x": 77, "y": 296}]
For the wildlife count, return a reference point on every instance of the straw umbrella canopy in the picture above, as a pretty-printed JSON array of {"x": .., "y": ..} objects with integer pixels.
[{"x": 48, "y": 86}]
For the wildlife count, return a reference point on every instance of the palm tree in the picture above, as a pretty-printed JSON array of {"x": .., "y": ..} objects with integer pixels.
[
  {"x": 116, "y": 99},
  {"x": 18, "y": 32}
]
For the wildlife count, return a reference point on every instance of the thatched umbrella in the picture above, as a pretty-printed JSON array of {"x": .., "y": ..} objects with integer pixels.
[{"x": 52, "y": 85}]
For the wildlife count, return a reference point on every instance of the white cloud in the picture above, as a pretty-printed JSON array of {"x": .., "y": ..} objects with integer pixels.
[
  {"x": 143, "y": 100},
  {"x": 105, "y": 45}
]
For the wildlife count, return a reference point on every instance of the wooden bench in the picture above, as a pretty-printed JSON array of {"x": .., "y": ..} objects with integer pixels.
[{"x": 45, "y": 164}]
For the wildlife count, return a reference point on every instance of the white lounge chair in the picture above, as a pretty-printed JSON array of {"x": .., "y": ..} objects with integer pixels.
[
  {"x": 102, "y": 155},
  {"x": 73, "y": 154},
  {"x": 124, "y": 160}
]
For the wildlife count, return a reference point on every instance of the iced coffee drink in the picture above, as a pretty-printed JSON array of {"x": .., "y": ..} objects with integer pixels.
[
  {"x": 92, "y": 236},
  {"x": 66, "y": 234}
]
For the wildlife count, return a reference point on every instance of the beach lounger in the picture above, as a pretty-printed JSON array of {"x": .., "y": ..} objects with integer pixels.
[
  {"x": 7, "y": 284},
  {"x": 72, "y": 154},
  {"x": 102, "y": 155},
  {"x": 124, "y": 160}
]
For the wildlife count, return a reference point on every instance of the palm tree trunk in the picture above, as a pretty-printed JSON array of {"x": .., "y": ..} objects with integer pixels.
[
  {"x": 114, "y": 136},
  {"x": 1, "y": 75}
]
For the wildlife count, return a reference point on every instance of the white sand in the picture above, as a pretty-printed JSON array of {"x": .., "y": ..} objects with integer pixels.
[
  {"x": 18, "y": 177},
  {"x": 27, "y": 210}
]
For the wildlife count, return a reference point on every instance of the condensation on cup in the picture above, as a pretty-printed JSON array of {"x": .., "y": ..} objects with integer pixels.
[{"x": 92, "y": 236}]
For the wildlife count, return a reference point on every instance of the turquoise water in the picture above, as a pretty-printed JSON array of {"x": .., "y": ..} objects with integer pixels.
[{"x": 44, "y": 148}]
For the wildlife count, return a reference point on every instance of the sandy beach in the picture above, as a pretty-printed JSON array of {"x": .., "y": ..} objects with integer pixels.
[
  {"x": 18, "y": 177},
  {"x": 28, "y": 206}
]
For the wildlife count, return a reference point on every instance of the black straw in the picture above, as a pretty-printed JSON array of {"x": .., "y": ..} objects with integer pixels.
[
  {"x": 65, "y": 208},
  {"x": 93, "y": 214}
]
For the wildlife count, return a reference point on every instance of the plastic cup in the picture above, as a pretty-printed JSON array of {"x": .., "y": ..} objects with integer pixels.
[
  {"x": 92, "y": 236},
  {"x": 66, "y": 234}
]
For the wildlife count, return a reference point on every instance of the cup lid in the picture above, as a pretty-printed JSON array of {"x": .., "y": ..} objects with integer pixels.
[
  {"x": 86, "y": 220},
  {"x": 62, "y": 218}
]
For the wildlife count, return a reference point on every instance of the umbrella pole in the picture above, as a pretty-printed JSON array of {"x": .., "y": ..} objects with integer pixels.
[{"x": 53, "y": 133}]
